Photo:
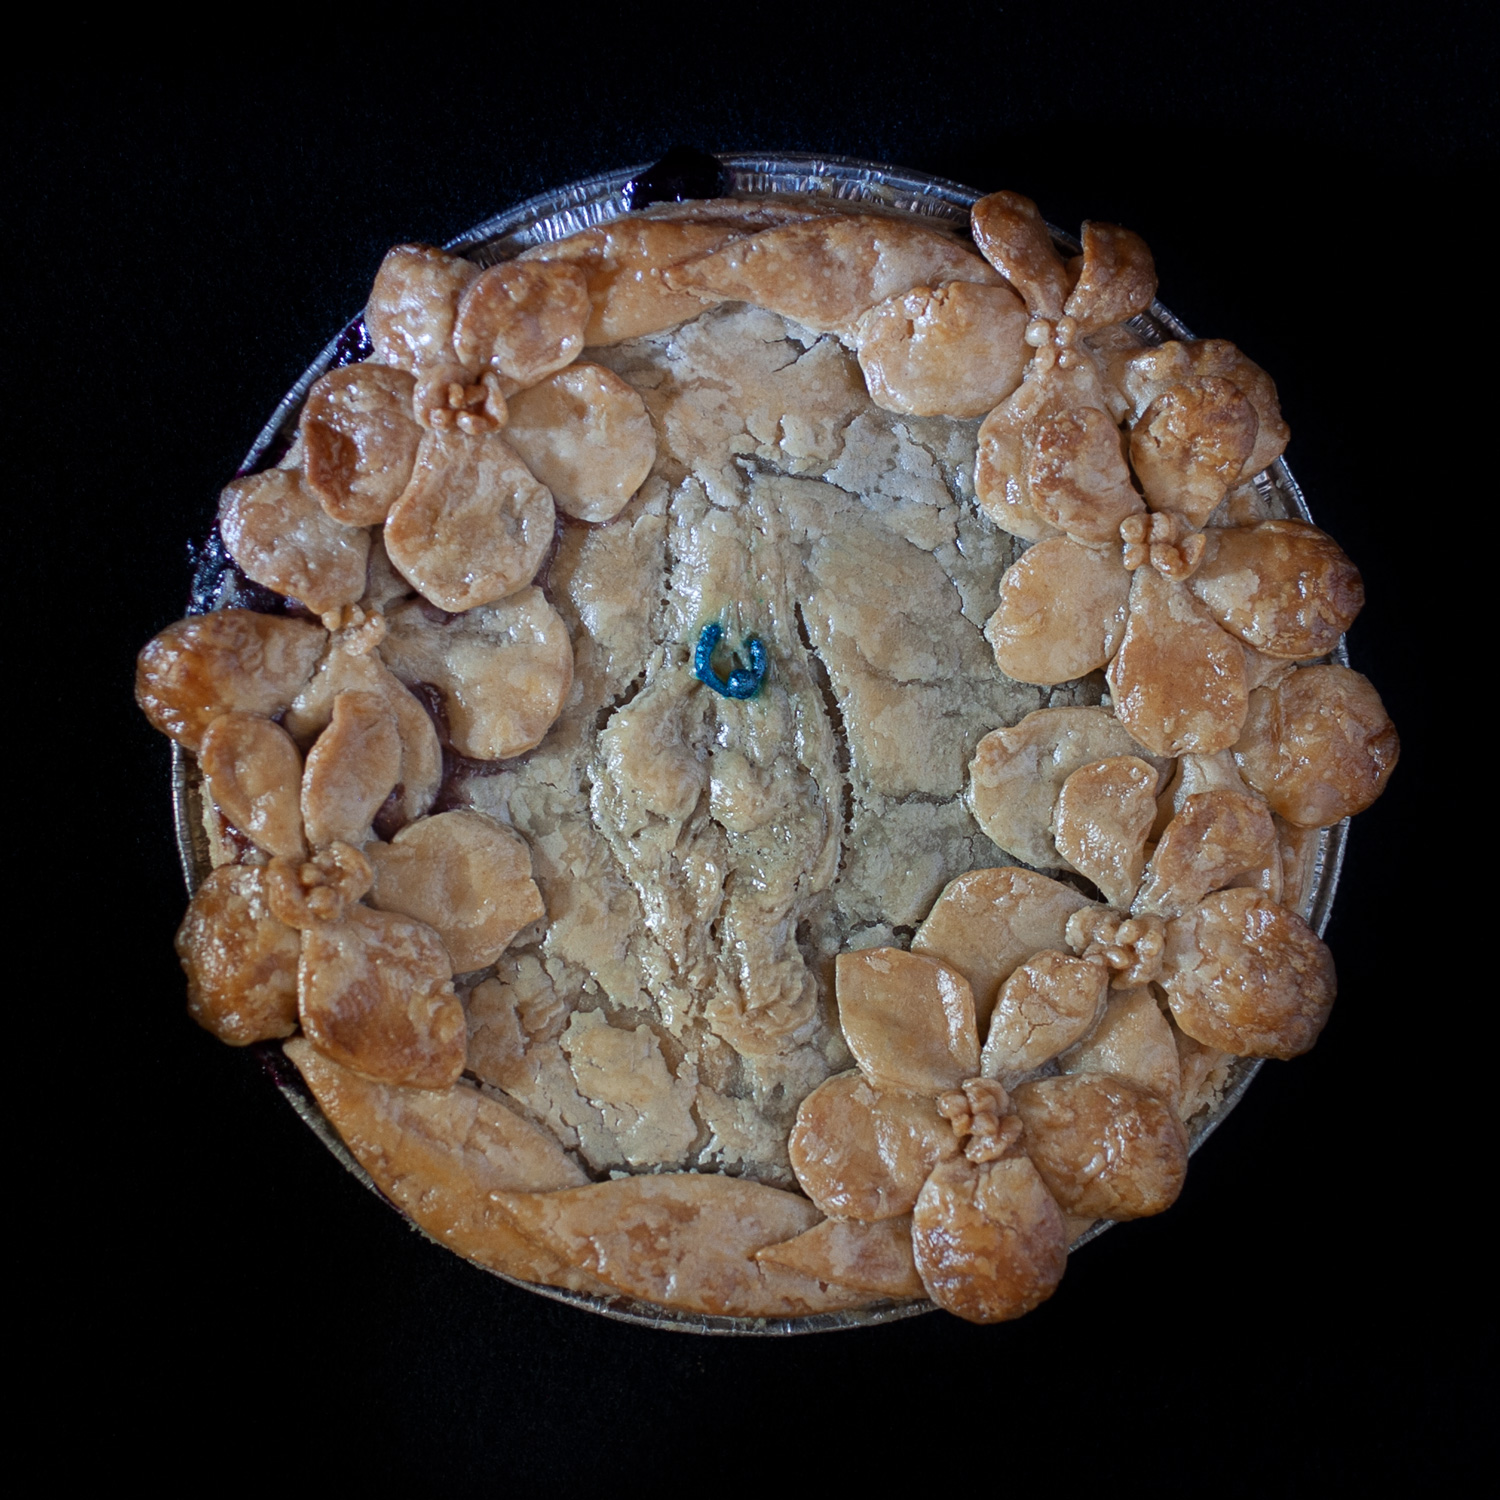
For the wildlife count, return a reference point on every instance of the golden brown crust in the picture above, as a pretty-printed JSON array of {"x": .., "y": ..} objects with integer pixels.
[
  {"x": 1076, "y": 475},
  {"x": 466, "y": 877},
  {"x": 523, "y": 320},
  {"x": 1050, "y": 456},
  {"x": 1062, "y": 613},
  {"x": 955, "y": 350},
  {"x": 872, "y": 1258},
  {"x": 359, "y": 441},
  {"x": 254, "y": 777},
  {"x": 825, "y": 273},
  {"x": 1178, "y": 680},
  {"x": 705, "y": 859},
  {"x": 863, "y": 1151},
  {"x": 1131, "y": 946},
  {"x": 375, "y": 993},
  {"x": 440, "y": 1154},
  {"x": 1132, "y": 1042},
  {"x": 1105, "y": 1148},
  {"x": 504, "y": 669},
  {"x": 306, "y": 893},
  {"x": 351, "y": 769},
  {"x": 1191, "y": 444},
  {"x": 1216, "y": 837},
  {"x": 989, "y": 1239},
  {"x": 988, "y": 922},
  {"x": 1014, "y": 238},
  {"x": 625, "y": 264},
  {"x": 1148, "y": 374},
  {"x": 342, "y": 670},
  {"x": 1018, "y": 772},
  {"x": 1116, "y": 280},
  {"x": 472, "y": 526},
  {"x": 1319, "y": 746},
  {"x": 681, "y": 1240},
  {"x": 277, "y": 530},
  {"x": 1248, "y": 976},
  {"x": 587, "y": 436},
  {"x": 230, "y": 661},
  {"x": 1046, "y": 1005},
  {"x": 413, "y": 304},
  {"x": 1104, "y": 812},
  {"x": 1283, "y": 587},
  {"x": 908, "y": 1019},
  {"x": 241, "y": 963}
]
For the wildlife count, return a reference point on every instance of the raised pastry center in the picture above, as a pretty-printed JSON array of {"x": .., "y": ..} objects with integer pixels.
[{"x": 703, "y": 855}]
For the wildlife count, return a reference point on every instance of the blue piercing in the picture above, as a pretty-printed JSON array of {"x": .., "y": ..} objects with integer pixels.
[{"x": 743, "y": 682}]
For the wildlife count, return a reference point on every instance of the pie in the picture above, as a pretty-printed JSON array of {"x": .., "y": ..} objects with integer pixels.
[{"x": 768, "y": 757}]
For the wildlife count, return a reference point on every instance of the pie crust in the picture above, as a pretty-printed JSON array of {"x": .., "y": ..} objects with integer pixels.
[{"x": 791, "y": 994}]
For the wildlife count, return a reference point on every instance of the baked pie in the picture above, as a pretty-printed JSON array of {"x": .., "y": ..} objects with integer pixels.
[{"x": 767, "y": 757}]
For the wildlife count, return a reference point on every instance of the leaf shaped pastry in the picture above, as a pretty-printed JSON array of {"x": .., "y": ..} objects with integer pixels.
[
  {"x": 472, "y": 526},
  {"x": 874, "y": 1258},
  {"x": 1062, "y": 611},
  {"x": 680, "y": 1240},
  {"x": 825, "y": 273},
  {"x": 1179, "y": 681},
  {"x": 1104, "y": 1147},
  {"x": 908, "y": 1019},
  {"x": 861, "y": 1151},
  {"x": 989, "y": 1239},
  {"x": 987, "y": 922},
  {"x": 440, "y": 1154}
]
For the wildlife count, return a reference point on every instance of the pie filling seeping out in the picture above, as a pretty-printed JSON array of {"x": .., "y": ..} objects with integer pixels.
[{"x": 783, "y": 757}]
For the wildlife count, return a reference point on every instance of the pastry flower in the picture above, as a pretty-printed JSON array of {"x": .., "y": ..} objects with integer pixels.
[
  {"x": 1122, "y": 572},
  {"x": 1070, "y": 1111}
]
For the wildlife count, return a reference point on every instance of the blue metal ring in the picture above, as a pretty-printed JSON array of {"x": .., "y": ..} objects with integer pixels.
[{"x": 743, "y": 682}]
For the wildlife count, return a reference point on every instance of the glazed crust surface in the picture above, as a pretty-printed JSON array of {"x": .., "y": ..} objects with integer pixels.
[{"x": 689, "y": 626}]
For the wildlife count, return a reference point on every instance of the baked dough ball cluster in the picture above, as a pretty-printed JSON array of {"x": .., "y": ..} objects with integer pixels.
[{"x": 880, "y": 971}]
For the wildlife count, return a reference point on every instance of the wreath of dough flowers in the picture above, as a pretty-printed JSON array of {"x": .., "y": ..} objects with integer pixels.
[{"x": 1027, "y": 1066}]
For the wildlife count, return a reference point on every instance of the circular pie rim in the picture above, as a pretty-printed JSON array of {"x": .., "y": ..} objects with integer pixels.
[{"x": 553, "y": 216}]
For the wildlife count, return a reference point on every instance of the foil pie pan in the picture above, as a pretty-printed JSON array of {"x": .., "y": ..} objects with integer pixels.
[{"x": 554, "y": 216}]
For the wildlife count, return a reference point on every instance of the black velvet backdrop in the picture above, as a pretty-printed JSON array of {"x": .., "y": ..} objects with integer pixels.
[{"x": 205, "y": 1279}]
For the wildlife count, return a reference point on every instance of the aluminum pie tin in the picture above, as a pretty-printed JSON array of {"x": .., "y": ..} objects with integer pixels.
[{"x": 554, "y": 216}]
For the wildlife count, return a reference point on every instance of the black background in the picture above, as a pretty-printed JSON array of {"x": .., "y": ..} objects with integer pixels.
[{"x": 213, "y": 1295}]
